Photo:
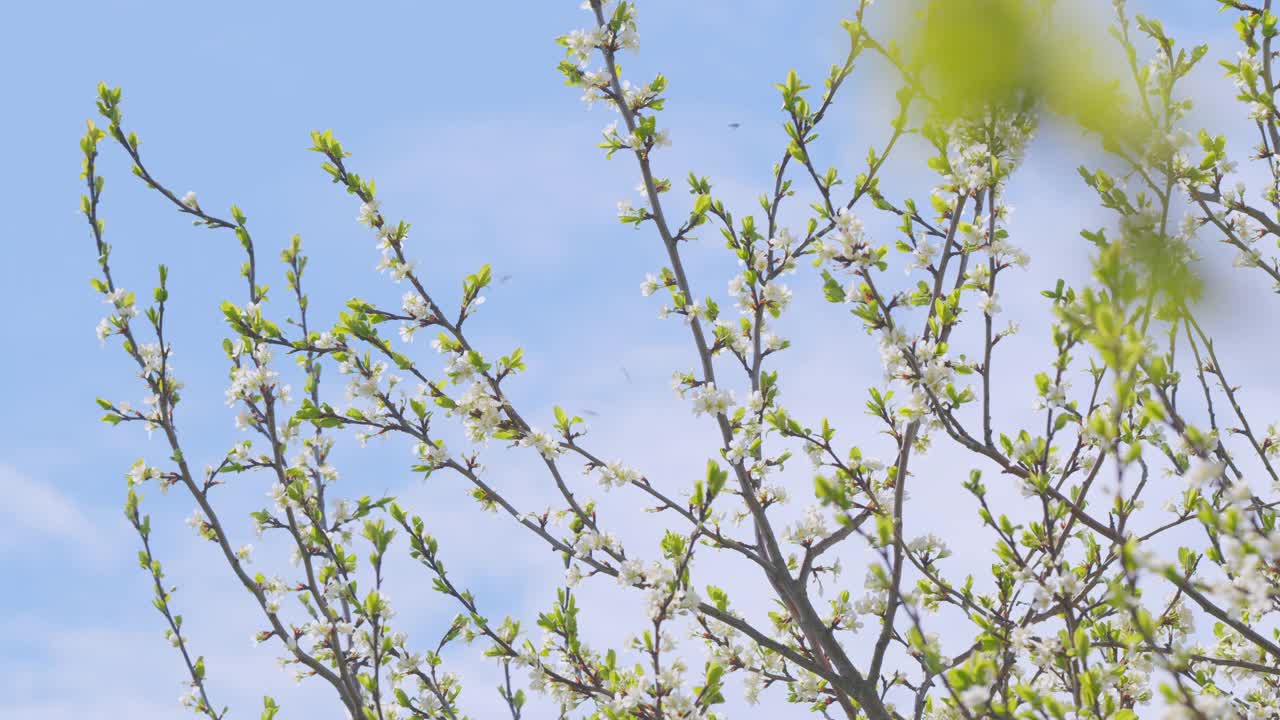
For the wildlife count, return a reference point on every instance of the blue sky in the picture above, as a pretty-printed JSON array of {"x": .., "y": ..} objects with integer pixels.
[{"x": 457, "y": 110}]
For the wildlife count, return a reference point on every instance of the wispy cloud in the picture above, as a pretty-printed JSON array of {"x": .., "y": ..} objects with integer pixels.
[{"x": 34, "y": 507}]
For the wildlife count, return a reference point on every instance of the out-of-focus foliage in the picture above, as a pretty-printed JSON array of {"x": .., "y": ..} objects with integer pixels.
[
  {"x": 973, "y": 55},
  {"x": 986, "y": 58}
]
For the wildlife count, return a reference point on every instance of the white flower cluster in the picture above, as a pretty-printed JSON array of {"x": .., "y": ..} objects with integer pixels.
[
  {"x": 124, "y": 308},
  {"x": 1054, "y": 395},
  {"x": 809, "y": 529},
  {"x": 979, "y": 274},
  {"x": 432, "y": 454},
  {"x": 197, "y": 521},
  {"x": 582, "y": 45},
  {"x": 397, "y": 268},
  {"x": 662, "y": 602},
  {"x": 849, "y": 245},
  {"x": 413, "y": 305},
  {"x": 368, "y": 382},
  {"x": 1056, "y": 585},
  {"x": 1251, "y": 583},
  {"x": 616, "y": 475},
  {"x": 876, "y": 599},
  {"x": 922, "y": 255},
  {"x": 651, "y": 282},
  {"x": 313, "y": 459},
  {"x": 140, "y": 472},
  {"x": 369, "y": 213},
  {"x": 589, "y": 541},
  {"x": 842, "y": 615},
  {"x": 746, "y": 436},
  {"x": 974, "y": 697},
  {"x": 709, "y": 400},
  {"x": 936, "y": 372},
  {"x": 989, "y": 304},
  {"x": 1008, "y": 254},
  {"x": 637, "y": 96},
  {"x": 481, "y": 412},
  {"x": 248, "y": 382},
  {"x": 930, "y": 546},
  {"x": 189, "y": 699},
  {"x": 545, "y": 443},
  {"x": 1203, "y": 471},
  {"x": 970, "y": 156},
  {"x": 776, "y": 296}
]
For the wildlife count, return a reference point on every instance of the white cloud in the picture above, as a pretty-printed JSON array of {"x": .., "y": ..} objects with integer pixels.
[
  {"x": 34, "y": 507},
  {"x": 60, "y": 709},
  {"x": 125, "y": 668}
]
